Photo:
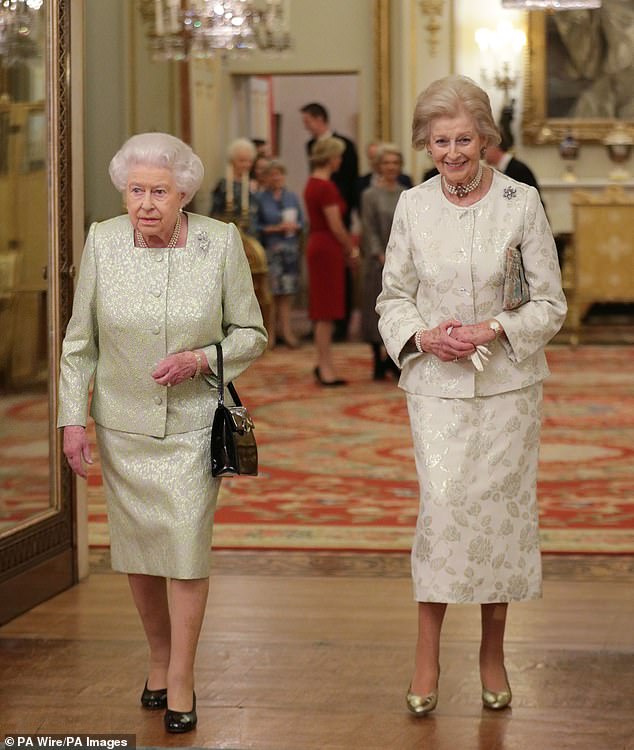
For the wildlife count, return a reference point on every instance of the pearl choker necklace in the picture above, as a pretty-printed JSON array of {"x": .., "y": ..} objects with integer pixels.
[
  {"x": 462, "y": 190},
  {"x": 140, "y": 239}
]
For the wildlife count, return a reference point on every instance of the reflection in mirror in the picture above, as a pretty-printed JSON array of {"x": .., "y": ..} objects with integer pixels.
[{"x": 24, "y": 239}]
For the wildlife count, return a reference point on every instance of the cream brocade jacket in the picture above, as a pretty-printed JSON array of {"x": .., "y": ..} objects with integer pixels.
[
  {"x": 443, "y": 261},
  {"x": 134, "y": 306}
]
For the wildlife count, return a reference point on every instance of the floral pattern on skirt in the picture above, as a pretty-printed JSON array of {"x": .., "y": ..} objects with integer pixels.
[
  {"x": 477, "y": 534},
  {"x": 283, "y": 260}
]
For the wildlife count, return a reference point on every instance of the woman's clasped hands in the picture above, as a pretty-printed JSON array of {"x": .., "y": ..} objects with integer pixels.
[{"x": 451, "y": 341}]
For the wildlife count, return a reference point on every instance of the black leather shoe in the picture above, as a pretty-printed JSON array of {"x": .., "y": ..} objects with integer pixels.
[
  {"x": 154, "y": 699},
  {"x": 178, "y": 722}
]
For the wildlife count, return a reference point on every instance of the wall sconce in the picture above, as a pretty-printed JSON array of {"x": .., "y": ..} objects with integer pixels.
[{"x": 500, "y": 51}]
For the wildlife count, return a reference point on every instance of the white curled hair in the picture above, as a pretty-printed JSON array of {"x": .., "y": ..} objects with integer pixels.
[
  {"x": 160, "y": 150},
  {"x": 241, "y": 144}
]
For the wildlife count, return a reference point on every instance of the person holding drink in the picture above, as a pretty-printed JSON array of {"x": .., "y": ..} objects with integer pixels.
[{"x": 280, "y": 223}]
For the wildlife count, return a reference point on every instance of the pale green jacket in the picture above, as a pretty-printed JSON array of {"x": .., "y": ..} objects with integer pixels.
[{"x": 134, "y": 306}]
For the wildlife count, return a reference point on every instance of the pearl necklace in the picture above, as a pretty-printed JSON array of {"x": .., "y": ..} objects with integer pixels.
[
  {"x": 139, "y": 239},
  {"x": 462, "y": 190}
]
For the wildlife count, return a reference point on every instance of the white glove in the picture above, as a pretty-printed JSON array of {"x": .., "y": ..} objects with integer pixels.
[{"x": 480, "y": 357}]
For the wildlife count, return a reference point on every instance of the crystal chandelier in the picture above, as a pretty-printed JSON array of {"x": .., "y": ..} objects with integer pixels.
[
  {"x": 185, "y": 29},
  {"x": 20, "y": 24},
  {"x": 551, "y": 4}
]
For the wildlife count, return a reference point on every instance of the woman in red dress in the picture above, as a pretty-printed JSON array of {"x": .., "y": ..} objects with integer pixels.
[{"x": 329, "y": 247}]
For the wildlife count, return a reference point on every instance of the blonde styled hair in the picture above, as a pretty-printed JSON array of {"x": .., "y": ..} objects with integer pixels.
[
  {"x": 449, "y": 97},
  {"x": 323, "y": 151},
  {"x": 383, "y": 150}
]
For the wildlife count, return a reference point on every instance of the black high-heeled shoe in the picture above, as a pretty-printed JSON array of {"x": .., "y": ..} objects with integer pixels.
[
  {"x": 153, "y": 699},
  {"x": 328, "y": 383},
  {"x": 179, "y": 722}
]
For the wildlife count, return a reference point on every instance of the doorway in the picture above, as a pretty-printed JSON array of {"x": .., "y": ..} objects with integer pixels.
[{"x": 268, "y": 108}]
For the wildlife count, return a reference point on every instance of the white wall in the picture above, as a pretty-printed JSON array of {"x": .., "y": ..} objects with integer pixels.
[{"x": 125, "y": 93}]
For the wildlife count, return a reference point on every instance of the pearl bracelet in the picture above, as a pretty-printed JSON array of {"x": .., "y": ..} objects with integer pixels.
[
  {"x": 199, "y": 365},
  {"x": 418, "y": 340}
]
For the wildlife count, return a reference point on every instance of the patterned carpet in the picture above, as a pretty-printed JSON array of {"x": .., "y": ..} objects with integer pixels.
[
  {"x": 337, "y": 468},
  {"x": 24, "y": 472}
]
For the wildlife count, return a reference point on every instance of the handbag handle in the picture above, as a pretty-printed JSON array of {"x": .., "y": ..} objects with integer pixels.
[{"x": 221, "y": 382}]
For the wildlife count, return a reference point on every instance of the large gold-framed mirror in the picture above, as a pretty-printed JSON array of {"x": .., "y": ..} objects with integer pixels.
[
  {"x": 580, "y": 73},
  {"x": 36, "y": 517}
]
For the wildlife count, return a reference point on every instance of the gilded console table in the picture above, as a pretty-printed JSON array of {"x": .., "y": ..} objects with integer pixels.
[{"x": 600, "y": 264}]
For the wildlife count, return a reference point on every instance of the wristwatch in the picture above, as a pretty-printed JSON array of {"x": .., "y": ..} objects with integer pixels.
[{"x": 496, "y": 327}]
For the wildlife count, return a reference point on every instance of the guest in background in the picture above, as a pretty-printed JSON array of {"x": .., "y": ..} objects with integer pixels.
[
  {"x": 497, "y": 156},
  {"x": 346, "y": 178},
  {"x": 280, "y": 224},
  {"x": 316, "y": 121},
  {"x": 475, "y": 412},
  {"x": 329, "y": 246},
  {"x": 258, "y": 174},
  {"x": 146, "y": 331},
  {"x": 262, "y": 147},
  {"x": 373, "y": 177},
  {"x": 378, "y": 203},
  {"x": 239, "y": 204}
]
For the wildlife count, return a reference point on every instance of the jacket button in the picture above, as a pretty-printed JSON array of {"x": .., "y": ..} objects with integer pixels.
[
  {"x": 158, "y": 400},
  {"x": 156, "y": 330},
  {"x": 156, "y": 292},
  {"x": 158, "y": 257}
]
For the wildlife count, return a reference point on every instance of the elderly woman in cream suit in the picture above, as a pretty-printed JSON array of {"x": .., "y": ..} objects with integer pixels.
[
  {"x": 157, "y": 289},
  {"x": 472, "y": 372}
]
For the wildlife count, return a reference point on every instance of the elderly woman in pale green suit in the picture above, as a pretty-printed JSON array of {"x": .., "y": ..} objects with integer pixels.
[{"x": 157, "y": 289}]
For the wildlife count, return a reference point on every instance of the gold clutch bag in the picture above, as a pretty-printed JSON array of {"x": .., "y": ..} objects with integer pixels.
[{"x": 516, "y": 289}]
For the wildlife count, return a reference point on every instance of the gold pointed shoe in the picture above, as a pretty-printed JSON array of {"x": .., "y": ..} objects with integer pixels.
[
  {"x": 497, "y": 700},
  {"x": 421, "y": 705}
]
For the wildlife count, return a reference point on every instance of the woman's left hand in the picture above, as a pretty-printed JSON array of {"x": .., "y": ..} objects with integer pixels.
[
  {"x": 476, "y": 334},
  {"x": 175, "y": 368},
  {"x": 353, "y": 258}
]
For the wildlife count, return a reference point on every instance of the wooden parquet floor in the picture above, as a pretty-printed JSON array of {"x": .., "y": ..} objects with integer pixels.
[{"x": 308, "y": 651}]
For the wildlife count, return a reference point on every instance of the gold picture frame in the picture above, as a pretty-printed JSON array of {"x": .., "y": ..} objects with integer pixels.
[{"x": 539, "y": 123}]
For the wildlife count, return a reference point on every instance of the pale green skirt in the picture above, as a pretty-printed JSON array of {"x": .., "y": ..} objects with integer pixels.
[{"x": 161, "y": 500}]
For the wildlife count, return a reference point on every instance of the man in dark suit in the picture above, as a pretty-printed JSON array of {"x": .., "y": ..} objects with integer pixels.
[
  {"x": 498, "y": 156},
  {"x": 316, "y": 121}
]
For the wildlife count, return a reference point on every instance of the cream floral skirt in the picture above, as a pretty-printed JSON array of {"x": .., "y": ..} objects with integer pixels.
[{"x": 477, "y": 534}]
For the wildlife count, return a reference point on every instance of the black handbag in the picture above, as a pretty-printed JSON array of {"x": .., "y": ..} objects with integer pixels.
[{"x": 233, "y": 448}]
